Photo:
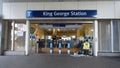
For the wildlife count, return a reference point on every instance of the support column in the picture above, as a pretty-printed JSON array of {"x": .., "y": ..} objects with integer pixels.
[
  {"x": 112, "y": 35},
  {"x": 1, "y": 30},
  {"x": 6, "y": 35},
  {"x": 12, "y": 35},
  {"x": 119, "y": 33},
  {"x": 27, "y": 39},
  {"x": 95, "y": 38}
]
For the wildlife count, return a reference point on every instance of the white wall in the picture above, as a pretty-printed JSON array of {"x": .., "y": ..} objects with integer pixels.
[
  {"x": 36, "y": 6},
  {"x": 117, "y": 9},
  {"x": 68, "y": 5},
  {"x": 14, "y": 10},
  {"x": 51, "y": 5},
  {"x": 105, "y": 9},
  {"x": 18, "y": 10},
  {"x": 87, "y": 5},
  {"x": 6, "y": 10}
]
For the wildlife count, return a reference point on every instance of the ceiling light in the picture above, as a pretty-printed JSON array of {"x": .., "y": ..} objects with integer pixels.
[
  {"x": 91, "y": 30},
  {"x": 49, "y": 29}
]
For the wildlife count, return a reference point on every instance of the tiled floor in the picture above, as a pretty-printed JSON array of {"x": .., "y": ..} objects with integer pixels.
[{"x": 58, "y": 61}]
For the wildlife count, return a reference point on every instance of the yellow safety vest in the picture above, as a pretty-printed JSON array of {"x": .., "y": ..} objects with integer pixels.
[{"x": 86, "y": 46}]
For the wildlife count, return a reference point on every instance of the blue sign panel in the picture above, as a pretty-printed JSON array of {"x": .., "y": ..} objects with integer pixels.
[
  {"x": 60, "y": 13},
  {"x": 32, "y": 37}
]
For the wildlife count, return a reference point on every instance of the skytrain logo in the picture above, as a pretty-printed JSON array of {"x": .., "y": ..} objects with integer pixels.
[{"x": 28, "y": 13}]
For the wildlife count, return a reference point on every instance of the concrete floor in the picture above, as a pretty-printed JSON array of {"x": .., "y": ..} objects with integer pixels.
[{"x": 58, "y": 61}]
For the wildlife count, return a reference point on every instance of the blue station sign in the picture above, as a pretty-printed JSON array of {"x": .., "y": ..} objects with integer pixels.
[{"x": 60, "y": 13}]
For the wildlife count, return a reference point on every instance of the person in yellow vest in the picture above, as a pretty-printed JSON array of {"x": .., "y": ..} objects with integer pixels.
[{"x": 86, "y": 47}]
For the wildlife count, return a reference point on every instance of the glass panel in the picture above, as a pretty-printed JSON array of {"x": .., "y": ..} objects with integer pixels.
[
  {"x": 18, "y": 31},
  {"x": 19, "y": 39},
  {"x": 116, "y": 34},
  {"x": 104, "y": 36}
]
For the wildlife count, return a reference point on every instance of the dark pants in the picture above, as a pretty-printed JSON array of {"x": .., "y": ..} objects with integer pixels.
[{"x": 86, "y": 52}]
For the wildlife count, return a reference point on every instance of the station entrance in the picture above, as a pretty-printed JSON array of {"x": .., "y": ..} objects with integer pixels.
[
  {"x": 48, "y": 36},
  {"x": 60, "y": 38}
]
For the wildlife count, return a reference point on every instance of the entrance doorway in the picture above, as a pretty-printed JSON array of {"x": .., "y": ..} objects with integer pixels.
[{"x": 60, "y": 37}]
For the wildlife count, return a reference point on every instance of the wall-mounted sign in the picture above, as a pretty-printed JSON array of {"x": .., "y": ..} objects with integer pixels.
[
  {"x": 20, "y": 33},
  {"x": 60, "y": 13},
  {"x": 32, "y": 37}
]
